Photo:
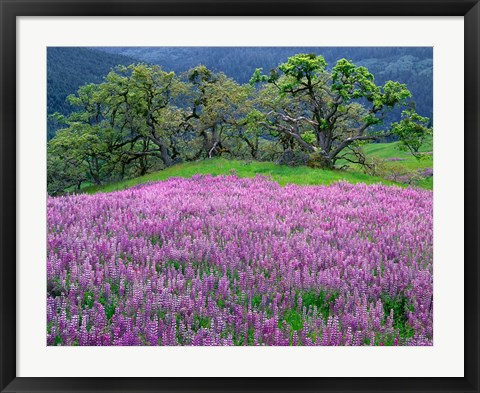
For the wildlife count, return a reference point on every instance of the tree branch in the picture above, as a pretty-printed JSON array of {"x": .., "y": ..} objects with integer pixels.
[
  {"x": 296, "y": 136},
  {"x": 348, "y": 141}
]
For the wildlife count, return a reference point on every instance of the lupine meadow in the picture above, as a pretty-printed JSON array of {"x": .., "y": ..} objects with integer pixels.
[
  {"x": 229, "y": 261},
  {"x": 189, "y": 208}
]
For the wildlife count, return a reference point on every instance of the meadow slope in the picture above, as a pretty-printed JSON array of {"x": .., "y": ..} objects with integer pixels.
[{"x": 230, "y": 261}]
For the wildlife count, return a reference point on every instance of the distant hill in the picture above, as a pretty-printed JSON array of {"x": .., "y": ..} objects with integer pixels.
[
  {"x": 410, "y": 65},
  {"x": 69, "y": 68}
]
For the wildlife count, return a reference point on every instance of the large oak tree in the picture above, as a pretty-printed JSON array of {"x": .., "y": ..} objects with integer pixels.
[{"x": 327, "y": 111}]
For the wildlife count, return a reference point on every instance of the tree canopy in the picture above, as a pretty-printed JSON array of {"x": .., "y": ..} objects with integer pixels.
[{"x": 328, "y": 111}]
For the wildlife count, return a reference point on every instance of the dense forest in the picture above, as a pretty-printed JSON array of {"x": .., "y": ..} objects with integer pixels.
[
  {"x": 69, "y": 68},
  {"x": 304, "y": 111}
]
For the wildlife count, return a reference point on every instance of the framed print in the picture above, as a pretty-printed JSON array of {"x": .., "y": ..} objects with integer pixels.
[{"x": 197, "y": 196}]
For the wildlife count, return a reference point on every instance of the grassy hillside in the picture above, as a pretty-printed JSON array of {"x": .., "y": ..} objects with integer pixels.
[
  {"x": 396, "y": 160},
  {"x": 391, "y": 153},
  {"x": 392, "y": 157},
  {"x": 283, "y": 174}
]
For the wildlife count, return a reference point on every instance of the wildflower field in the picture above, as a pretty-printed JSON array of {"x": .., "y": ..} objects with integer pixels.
[{"x": 229, "y": 261}]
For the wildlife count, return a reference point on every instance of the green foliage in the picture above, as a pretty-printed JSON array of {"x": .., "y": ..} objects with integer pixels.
[
  {"x": 394, "y": 151},
  {"x": 394, "y": 93},
  {"x": 308, "y": 136},
  {"x": 391, "y": 161},
  {"x": 220, "y": 111},
  {"x": 58, "y": 340},
  {"x": 327, "y": 111},
  {"x": 257, "y": 77},
  {"x": 142, "y": 119},
  {"x": 412, "y": 131},
  {"x": 294, "y": 319},
  {"x": 322, "y": 300},
  {"x": 256, "y": 300},
  {"x": 123, "y": 126},
  {"x": 71, "y": 67},
  {"x": 400, "y": 306},
  {"x": 176, "y": 265},
  {"x": 201, "y": 321},
  {"x": 108, "y": 305},
  {"x": 88, "y": 299},
  {"x": 316, "y": 160},
  {"x": 352, "y": 82},
  {"x": 64, "y": 171},
  {"x": 304, "y": 68}
]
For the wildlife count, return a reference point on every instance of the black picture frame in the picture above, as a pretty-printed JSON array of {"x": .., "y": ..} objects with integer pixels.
[{"x": 10, "y": 9}]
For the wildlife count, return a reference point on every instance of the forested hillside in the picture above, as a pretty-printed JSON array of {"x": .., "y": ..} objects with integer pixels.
[
  {"x": 69, "y": 68},
  {"x": 412, "y": 66}
]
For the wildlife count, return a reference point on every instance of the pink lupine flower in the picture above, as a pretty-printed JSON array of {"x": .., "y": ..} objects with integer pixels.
[{"x": 229, "y": 261}]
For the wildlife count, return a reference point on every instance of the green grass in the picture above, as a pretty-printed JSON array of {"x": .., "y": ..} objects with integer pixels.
[
  {"x": 388, "y": 151},
  {"x": 426, "y": 183},
  {"x": 391, "y": 150},
  {"x": 283, "y": 174}
]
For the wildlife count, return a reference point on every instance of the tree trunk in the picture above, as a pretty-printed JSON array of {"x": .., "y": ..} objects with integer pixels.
[
  {"x": 214, "y": 143},
  {"x": 94, "y": 172},
  {"x": 122, "y": 170},
  {"x": 206, "y": 142},
  {"x": 143, "y": 165},
  {"x": 167, "y": 160}
]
